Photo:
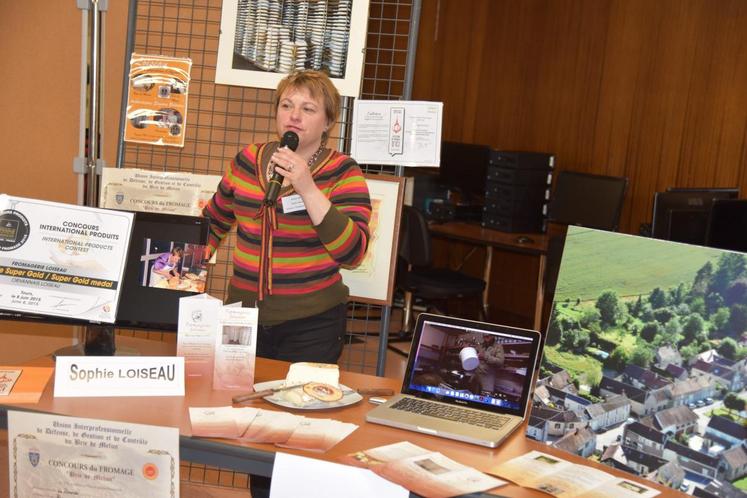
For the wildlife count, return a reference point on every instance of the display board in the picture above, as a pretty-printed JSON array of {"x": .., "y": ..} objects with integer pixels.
[
  {"x": 643, "y": 358},
  {"x": 61, "y": 260}
]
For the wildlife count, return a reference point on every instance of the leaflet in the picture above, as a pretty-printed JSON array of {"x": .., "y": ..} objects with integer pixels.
[
  {"x": 85, "y": 457},
  {"x": 60, "y": 259},
  {"x": 564, "y": 479},
  {"x": 422, "y": 471},
  {"x": 397, "y": 132},
  {"x": 235, "y": 348},
  {"x": 264, "y": 426},
  {"x": 197, "y": 328}
]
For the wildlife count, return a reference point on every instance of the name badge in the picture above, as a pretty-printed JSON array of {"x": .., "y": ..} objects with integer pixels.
[
  {"x": 94, "y": 376},
  {"x": 293, "y": 203}
]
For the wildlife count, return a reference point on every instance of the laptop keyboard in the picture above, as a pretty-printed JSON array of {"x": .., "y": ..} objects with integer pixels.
[{"x": 449, "y": 412}]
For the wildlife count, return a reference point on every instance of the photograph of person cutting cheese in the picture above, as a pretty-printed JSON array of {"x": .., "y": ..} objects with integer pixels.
[
  {"x": 476, "y": 366},
  {"x": 173, "y": 265}
]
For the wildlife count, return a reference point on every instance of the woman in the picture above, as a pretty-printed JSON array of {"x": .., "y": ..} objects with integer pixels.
[
  {"x": 288, "y": 256},
  {"x": 166, "y": 266}
]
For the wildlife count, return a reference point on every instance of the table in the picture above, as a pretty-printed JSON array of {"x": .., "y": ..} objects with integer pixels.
[
  {"x": 532, "y": 244},
  {"x": 258, "y": 458}
]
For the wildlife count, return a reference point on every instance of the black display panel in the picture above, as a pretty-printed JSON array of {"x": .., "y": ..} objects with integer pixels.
[
  {"x": 587, "y": 200},
  {"x": 681, "y": 215},
  {"x": 727, "y": 227},
  {"x": 150, "y": 300},
  {"x": 464, "y": 168}
]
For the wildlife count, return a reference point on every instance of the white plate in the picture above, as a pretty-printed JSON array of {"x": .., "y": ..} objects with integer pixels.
[{"x": 349, "y": 397}]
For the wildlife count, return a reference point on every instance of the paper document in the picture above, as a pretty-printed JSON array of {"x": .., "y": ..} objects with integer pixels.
[
  {"x": 265, "y": 426},
  {"x": 564, "y": 479},
  {"x": 294, "y": 476},
  {"x": 422, "y": 471}
]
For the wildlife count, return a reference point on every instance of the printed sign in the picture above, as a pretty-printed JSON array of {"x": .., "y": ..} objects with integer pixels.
[
  {"x": 396, "y": 132},
  {"x": 82, "y": 376},
  {"x": 60, "y": 259}
]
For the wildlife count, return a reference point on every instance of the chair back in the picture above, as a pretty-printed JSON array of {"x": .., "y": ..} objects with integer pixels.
[{"x": 414, "y": 238}]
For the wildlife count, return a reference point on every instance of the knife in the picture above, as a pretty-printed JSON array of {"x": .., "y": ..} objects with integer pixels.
[{"x": 365, "y": 391}]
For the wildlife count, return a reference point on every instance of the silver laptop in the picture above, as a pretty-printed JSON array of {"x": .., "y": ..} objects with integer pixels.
[{"x": 458, "y": 385}]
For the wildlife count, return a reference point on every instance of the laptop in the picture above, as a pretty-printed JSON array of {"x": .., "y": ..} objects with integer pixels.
[{"x": 456, "y": 384}]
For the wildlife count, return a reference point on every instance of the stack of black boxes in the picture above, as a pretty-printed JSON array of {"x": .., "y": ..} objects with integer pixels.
[{"x": 517, "y": 190}]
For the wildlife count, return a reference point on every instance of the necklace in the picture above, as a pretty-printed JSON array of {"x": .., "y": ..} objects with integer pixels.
[{"x": 309, "y": 163}]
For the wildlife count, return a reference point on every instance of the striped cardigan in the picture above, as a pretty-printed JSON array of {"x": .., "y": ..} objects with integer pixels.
[{"x": 305, "y": 259}]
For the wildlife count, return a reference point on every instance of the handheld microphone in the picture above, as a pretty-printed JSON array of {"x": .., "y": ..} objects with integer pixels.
[{"x": 290, "y": 140}]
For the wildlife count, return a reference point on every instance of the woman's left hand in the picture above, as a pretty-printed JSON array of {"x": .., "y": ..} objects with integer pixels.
[{"x": 293, "y": 167}]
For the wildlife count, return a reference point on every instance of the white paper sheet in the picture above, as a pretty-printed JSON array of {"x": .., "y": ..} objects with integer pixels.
[{"x": 294, "y": 476}]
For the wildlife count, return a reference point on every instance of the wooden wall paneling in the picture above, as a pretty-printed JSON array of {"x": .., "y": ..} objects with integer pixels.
[{"x": 655, "y": 91}]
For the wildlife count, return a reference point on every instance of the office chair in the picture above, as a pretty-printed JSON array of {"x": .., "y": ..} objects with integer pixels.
[{"x": 417, "y": 277}]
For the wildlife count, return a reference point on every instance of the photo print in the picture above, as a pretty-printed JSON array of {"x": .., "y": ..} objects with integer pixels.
[
  {"x": 173, "y": 265},
  {"x": 263, "y": 40},
  {"x": 644, "y": 360}
]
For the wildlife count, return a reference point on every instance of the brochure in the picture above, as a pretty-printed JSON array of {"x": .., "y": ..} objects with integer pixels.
[
  {"x": 266, "y": 426},
  {"x": 235, "y": 348},
  {"x": 199, "y": 316},
  {"x": 564, "y": 479},
  {"x": 218, "y": 341},
  {"x": 422, "y": 471}
]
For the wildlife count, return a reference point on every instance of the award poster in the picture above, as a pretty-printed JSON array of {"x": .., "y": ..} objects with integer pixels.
[
  {"x": 157, "y": 100},
  {"x": 197, "y": 330},
  {"x": 61, "y": 259},
  {"x": 135, "y": 189},
  {"x": 235, "y": 349},
  {"x": 52, "y": 455},
  {"x": 397, "y": 132}
]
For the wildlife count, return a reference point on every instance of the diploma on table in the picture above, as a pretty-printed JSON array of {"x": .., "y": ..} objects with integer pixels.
[{"x": 85, "y": 457}]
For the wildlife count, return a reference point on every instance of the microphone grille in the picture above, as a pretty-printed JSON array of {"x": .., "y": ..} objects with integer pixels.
[{"x": 290, "y": 140}]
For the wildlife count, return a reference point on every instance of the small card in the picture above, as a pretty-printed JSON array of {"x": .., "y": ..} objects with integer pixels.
[
  {"x": 8, "y": 379},
  {"x": 292, "y": 203},
  {"x": 92, "y": 376}
]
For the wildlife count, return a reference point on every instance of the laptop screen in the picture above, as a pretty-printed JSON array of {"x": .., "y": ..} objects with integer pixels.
[{"x": 482, "y": 365}]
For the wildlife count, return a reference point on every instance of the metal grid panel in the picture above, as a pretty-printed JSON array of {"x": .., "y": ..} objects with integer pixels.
[{"x": 221, "y": 119}]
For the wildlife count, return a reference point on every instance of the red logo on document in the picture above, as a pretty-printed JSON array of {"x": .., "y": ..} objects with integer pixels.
[{"x": 150, "y": 471}]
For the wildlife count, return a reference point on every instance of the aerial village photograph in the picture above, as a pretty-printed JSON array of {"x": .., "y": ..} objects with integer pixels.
[{"x": 644, "y": 361}]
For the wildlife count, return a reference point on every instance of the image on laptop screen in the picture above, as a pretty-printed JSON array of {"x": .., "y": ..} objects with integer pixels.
[{"x": 482, "y": 367}]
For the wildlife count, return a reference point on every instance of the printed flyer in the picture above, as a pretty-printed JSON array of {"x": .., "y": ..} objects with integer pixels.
[
  {"x": 52, "y": 455},
  {"x": 397, "y": 132},
  {"x": 61, "y": 259},
  {"x": 157, "y": 99},
  {"x": 235, "y": 349}
]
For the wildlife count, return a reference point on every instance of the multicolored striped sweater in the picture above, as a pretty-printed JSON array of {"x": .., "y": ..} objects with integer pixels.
[{"x": 305, "y": 259}]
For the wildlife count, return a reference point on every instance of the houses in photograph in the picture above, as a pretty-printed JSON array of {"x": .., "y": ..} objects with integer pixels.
[{"x": 651, "y": 422}]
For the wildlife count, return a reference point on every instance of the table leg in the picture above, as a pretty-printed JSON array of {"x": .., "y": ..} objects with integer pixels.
[
  {"x": 539, "y": 300},
  {"x": 486, "y": 277}
]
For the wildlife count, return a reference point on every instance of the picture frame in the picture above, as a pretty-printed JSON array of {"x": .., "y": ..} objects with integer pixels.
[
  {"x": 372, "y": 281},
  {"x": 263, "y": 40}
]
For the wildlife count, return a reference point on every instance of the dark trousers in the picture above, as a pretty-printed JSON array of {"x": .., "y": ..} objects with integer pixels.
[{"x": 318, "y": 338}]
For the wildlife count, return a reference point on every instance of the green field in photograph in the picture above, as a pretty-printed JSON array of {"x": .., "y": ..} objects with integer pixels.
[{"x": 595, "y": 261}]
